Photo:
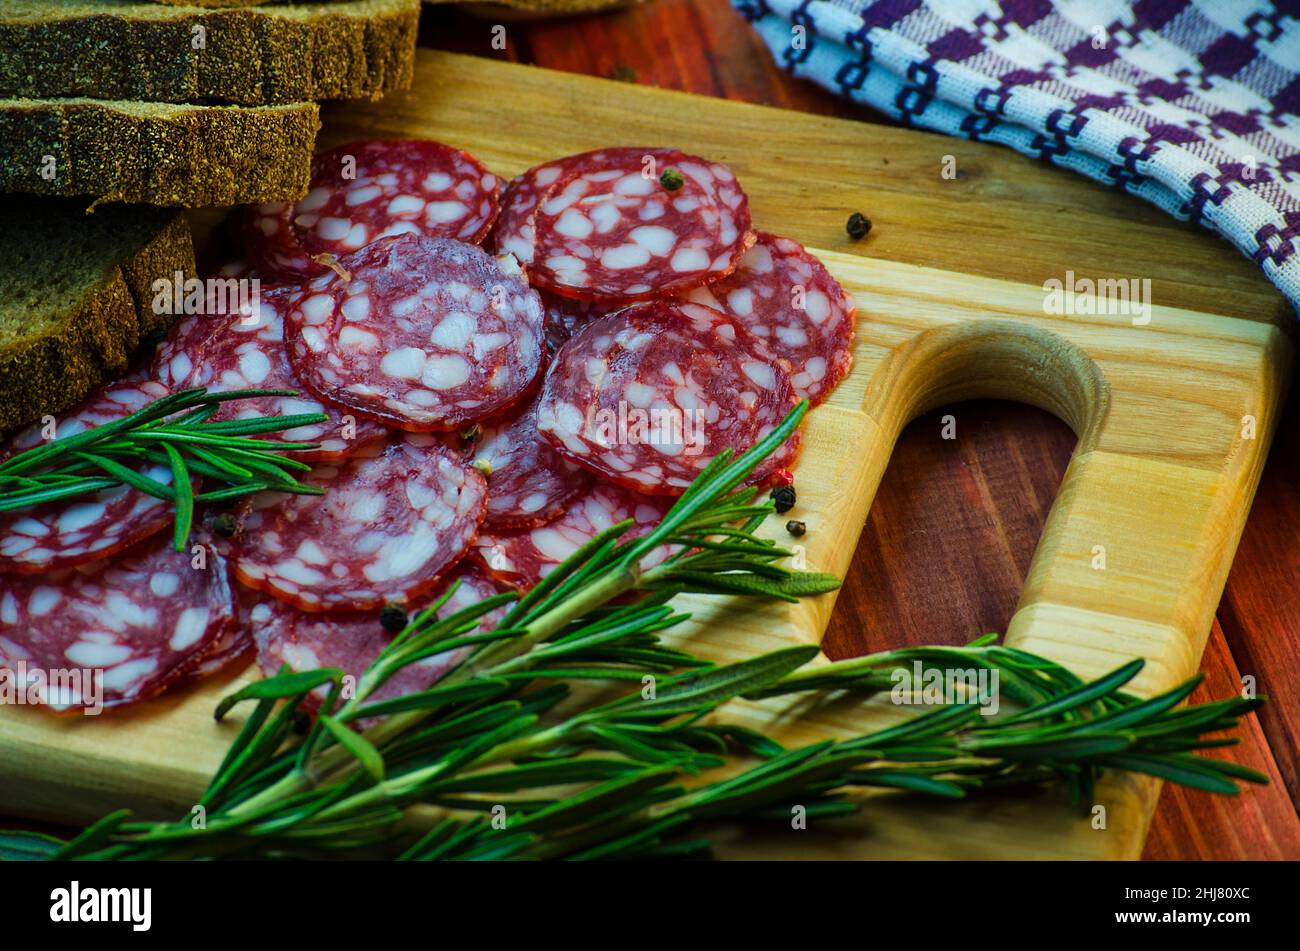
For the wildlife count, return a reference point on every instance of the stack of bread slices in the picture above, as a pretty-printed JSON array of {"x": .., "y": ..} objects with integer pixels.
[{"x": 116, "y": 114}]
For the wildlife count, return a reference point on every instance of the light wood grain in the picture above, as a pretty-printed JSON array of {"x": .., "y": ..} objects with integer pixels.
[{"x": 1160, "y": 475}]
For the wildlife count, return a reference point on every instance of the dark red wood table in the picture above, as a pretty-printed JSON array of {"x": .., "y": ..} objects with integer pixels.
[{"x": 950, "y": 536}]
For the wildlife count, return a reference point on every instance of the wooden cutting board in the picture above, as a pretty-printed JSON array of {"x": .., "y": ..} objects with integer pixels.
[{"x": 1174, "y": 417}]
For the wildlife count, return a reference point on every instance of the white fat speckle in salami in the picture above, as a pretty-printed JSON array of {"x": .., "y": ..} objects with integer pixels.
[
  {"x": 86, "y": 528},
  {"x": 248, "y": 351},
  {"x": 363, "y": 191},
  {"x": 523, "y": 558},
  {"x": 785, "y": 296},
  {"x": 450, "y": 336},
  {"x": 107, "y": 620},
  {"x": 390, "y": 523},
  {"x": 648, "y": 395}
]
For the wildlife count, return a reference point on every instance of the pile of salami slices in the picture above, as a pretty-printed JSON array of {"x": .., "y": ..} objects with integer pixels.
[{"x": 506, "y": 371}]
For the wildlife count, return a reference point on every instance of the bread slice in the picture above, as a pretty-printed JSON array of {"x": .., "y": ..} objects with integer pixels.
[
  {"x": 157, "y": 153},
  {"x": 76, "y": 295},
  {"x": 257, "y": 55}
]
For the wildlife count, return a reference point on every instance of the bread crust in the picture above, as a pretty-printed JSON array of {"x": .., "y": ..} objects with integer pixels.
[
  {"x": 188, "y": 156},
  {"x": 56, "y": 368},
  {"x": 250, "y": 55}
]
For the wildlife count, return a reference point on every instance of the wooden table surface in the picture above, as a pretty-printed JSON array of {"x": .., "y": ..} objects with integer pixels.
[{"x": 953, "y": 528}]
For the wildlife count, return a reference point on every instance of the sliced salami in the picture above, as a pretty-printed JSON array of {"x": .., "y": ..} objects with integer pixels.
[
  {"x": 119, "y": 630},
  {"x": 352, "y": 640},
  {"x": 610, "y": 230},
  {"x": 648, "y": 395},
  {"x": 85, "y": 528},
  {"x": 516, "y": 232},
  {"x": 528, "y": 481},
  {"x": 247, "y": 351},
  {"x": 364, "y": 191},
  {"x": 422, "y": 333},
  {"x": 785, "y": 296},
  {"x": 523, "y": 558},
  {"x": 392, "y": 521}
]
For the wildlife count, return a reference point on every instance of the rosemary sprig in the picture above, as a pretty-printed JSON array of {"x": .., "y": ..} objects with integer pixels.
[
  {"x": 173, "y": 431},
  {"x": 632, "y": 774}
]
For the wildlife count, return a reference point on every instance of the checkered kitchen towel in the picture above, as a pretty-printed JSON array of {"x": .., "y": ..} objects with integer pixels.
[{"x": 1192, "y": 104}]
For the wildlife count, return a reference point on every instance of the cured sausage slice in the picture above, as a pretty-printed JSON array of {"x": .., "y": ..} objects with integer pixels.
[
  {"x": 528, "y": 481},
  {"x": 234, "y": 643},
  {"x": 352, "y": 640},
  {"x": 422, "y": 333},
  {"x": 85, "y": 528},
  {"x": 523, "y": 558},
  {"x": 122, "y": 629},
  {"x": 647, "y": 396},
  {"x": 364, "y": 191},
  {"x": 247, "y": 351},
  {"x": 785, "y": 296},
  {"x": 392, "y": 521},
  {"x": 515, "y": 232},
  {"x": 610, "y": 230}
]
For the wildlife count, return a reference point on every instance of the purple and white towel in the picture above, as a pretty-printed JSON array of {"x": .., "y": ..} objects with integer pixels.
[{"x": 1192, "y": 104}]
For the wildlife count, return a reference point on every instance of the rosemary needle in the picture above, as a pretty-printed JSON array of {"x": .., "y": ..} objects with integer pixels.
[
  {"x": 174, "y": 431},
  {"x": 600, "y": 778}
]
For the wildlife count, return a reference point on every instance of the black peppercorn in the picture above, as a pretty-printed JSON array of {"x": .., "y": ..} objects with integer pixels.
[
  {"x": 671, "y": 179},
  {"x": 795, "y": 527},
  {"x": 225, "y": 525},
  {"x": 393, "y": 619},
  {"x": 858, "y": 225},
  {"x": 783, "y": 498}
]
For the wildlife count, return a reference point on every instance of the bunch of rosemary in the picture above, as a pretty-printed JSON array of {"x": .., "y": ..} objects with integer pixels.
[
  {"x": 516, "y": 775},
  {"x": 174, "y": 431}
]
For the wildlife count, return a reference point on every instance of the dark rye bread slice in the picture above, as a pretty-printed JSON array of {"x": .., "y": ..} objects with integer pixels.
[
  {"x": 76, "y": 295},
  {"x": 256, "y": 55},
  {"x": 157, "y": 153}
]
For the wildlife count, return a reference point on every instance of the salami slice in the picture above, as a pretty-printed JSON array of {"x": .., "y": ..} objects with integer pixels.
[
  {"x": 609, "y": 230},
  {"x": 523, "y": 558},
  {"x": 392, "y": 521},
  {"x": 364, "y": 191},
  {"x": 85, "y": 528},
  {"x": 423, "y": 334},
  {"x": 353, "y": 639},
  {"x": 785, "y": 296},
  {"x": 647, "y": 396},
  {"x": 516, "y": 232},
  {"x": 116, "y": 631},
  {"x": 247, "y": 351},
  {"x": 528, "y": 481},
  {"x": 179, "y": 359}
]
